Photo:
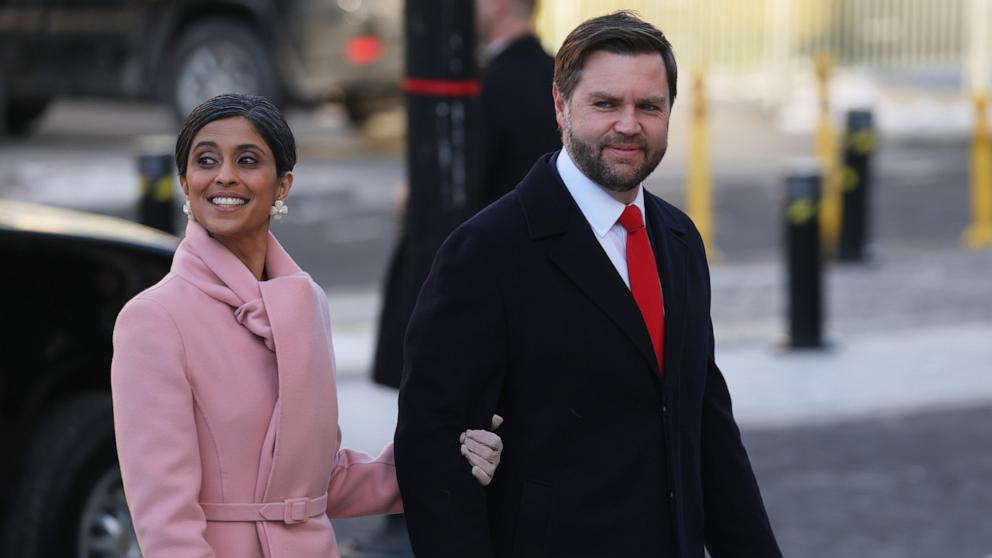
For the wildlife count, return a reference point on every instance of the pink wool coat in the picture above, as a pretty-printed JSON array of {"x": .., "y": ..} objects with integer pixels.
[{"x": 224, "y": 395}]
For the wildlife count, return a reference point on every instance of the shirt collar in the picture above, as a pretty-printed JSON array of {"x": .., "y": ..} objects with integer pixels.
[
  {"x": 600, "y": 209},
  {"x": 496, "y": 47}
]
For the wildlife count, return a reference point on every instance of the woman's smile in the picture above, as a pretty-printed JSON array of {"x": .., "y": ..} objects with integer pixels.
[{"x": 227, "y": 203}]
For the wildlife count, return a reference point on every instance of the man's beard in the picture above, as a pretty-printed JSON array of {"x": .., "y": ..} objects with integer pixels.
[{"x": 590, "y": 161}]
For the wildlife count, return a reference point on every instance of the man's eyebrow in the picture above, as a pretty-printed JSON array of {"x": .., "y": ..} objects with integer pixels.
[
  {"x": 653, "y": 99},
  {"x": 602, "y": 95}
]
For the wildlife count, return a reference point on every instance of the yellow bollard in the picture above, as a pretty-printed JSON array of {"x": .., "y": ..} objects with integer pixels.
[
  {"x": 828, "y": 155},
  {"x": 979, "y": 234},
  {"x": 156, "y": 182},
  {"x": 698, "y": 185}
]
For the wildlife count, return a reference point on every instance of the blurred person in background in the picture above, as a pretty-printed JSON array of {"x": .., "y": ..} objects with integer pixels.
[
  {"x": 225, "y": 404},
  {"x": 578, "y": 305},
  {"x": 518, "y": 127},
  {"x": 518, "y": 111}
]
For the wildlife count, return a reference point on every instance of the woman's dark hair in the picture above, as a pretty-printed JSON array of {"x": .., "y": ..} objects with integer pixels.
[
  {"x": 262, "y": 114},
  {"x": 618, "y": 33}
]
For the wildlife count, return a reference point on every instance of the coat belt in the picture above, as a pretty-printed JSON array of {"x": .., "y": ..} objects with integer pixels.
[{"x": 289, "y": 511}]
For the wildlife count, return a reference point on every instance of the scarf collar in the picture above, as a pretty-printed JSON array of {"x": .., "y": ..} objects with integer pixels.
[{"x": 215, "y": 270}]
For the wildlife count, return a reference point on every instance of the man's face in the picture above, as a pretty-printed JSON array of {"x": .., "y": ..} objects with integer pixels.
[{"x": 615, "y": 126}]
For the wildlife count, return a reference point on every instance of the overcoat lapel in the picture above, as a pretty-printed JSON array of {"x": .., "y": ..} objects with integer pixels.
[
  {"x": 305, "y": 417},
  {"x": 307, "y": 399},
  {"x": 670, "y": 252},
  {"x": 554, "y": 218}
]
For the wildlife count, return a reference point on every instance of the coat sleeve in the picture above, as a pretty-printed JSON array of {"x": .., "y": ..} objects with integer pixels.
[
  {"x": 156, "y": 433},
  {"x": 454, "y": 364},
  {"x": 735, "y": 521},
  {"x": 362, "y": 484}
]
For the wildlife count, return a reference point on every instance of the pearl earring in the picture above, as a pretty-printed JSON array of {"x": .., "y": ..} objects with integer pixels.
[
  {"x": 278, "y": 210},
  {"x": 186, "y": 210}
]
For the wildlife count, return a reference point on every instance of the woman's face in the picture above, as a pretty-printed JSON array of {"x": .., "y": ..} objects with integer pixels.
[{"x": 231, "y": 180}]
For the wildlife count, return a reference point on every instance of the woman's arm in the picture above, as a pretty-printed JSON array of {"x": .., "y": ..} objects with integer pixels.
[
  {"x": 365, "y": 485},
  {"x": 362, "y": 484},
  {"x": 156, "y": 433}
]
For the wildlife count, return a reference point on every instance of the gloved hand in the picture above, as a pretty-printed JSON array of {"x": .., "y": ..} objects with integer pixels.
[{"x": 482, "y": 449}]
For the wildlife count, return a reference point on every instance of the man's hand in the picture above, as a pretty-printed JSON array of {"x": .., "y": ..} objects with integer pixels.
[{"x": 482, "y": 449}]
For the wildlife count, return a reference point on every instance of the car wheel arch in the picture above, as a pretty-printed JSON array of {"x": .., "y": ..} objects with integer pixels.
[{"x": 185, "y": 15}]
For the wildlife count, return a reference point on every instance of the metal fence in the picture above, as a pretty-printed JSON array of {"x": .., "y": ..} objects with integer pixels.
[{"x": 776, "y": 36}]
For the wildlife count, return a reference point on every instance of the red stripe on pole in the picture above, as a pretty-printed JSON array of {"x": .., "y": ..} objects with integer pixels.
[{"x": 442, "y": 87}]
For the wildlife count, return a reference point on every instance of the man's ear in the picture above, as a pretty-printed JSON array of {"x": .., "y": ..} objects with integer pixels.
[{"x": 560, "y": 105}]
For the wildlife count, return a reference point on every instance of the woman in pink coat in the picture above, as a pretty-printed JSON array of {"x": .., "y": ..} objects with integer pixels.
[{"x": 225, "y": 403}]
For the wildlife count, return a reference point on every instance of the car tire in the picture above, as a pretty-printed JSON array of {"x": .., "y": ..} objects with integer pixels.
[
  {"x": 69, "y": 500},
  {"x": 21, "y": 114},
  {"x": 219, "y": 56}
]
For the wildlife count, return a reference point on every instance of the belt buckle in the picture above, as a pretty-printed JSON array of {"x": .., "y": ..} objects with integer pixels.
[{"x": 295, "y": 511}]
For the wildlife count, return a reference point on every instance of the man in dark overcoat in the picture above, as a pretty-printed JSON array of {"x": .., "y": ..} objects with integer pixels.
[{"x": 578, "y": 307}]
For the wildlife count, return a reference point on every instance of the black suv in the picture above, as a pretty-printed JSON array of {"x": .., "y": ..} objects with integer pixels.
[
  {"x": 184, "y": 51},
  {"x": 65, "y": 276}
]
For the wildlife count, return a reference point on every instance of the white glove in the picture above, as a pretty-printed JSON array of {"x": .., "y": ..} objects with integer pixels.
[{"x": 482, "y": 449}]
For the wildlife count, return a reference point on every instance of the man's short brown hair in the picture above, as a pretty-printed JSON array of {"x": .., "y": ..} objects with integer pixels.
[{"x": 618, "y": 33}]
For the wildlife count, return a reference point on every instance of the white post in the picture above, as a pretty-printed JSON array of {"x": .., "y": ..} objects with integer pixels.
[
  {"x": 778, "y": 74},
  {"x": 977, "y": 22}
]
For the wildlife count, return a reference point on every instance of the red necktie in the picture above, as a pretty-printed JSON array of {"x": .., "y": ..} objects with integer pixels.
[{"x": 644, "y": 283}]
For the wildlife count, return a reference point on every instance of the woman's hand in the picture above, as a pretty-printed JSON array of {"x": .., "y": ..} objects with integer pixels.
[{"x": 482, "y": 449}]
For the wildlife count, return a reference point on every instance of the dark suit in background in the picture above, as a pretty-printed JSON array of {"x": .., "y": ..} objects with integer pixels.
[
  {"x": 518, "y": 114},
  {"x": 519, "y": 127},
  {"x": 524, "y": 314}
]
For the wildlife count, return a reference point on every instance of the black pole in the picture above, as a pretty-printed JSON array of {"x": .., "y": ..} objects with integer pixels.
[
  {"x": 156, "y": 175},
  {"x": 859, "y": 145},
  {"x": 443, "y": 154},
  {"x": 443, "y": 159},
  {"x": 3, "y": 106},
  {"x": 442, "y": 98},
  {"x": 803, "y": 260}
]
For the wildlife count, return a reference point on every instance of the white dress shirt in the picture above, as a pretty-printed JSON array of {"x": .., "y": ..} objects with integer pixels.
[{"x": 601, "y": 210}]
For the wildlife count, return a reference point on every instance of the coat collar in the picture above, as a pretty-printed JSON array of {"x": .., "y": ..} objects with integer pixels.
[
  {"x": 215, "y": 270},
  {"x": 550, "y": 210},
  {"x": 553, "y": 218},
  {"x": 601, "y": 210}
]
